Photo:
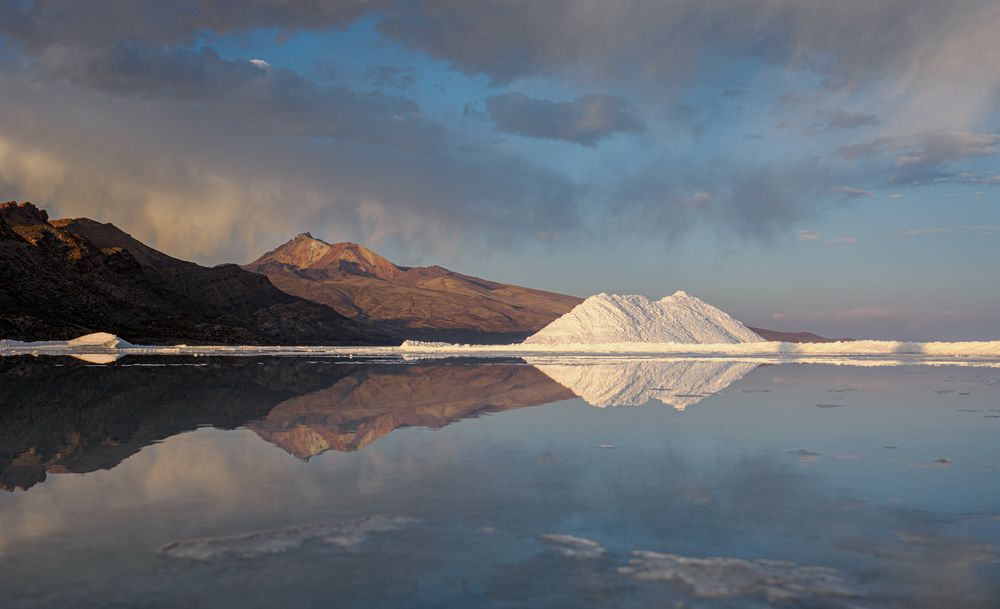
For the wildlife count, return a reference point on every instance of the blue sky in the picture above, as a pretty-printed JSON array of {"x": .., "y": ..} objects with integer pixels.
[{"x": 804, "y": 166}]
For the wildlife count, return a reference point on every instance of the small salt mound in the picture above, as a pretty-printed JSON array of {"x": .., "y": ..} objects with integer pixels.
[
  {"x": 611, "y": 318},
  {"x": 99, "y": 339}
]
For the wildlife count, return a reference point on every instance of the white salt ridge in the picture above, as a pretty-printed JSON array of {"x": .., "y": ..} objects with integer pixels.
[
  {"x": 674, "y": 383},
  {"x": 252, "y": 545},
  {"x": 611, "y": 318},
  {"x": 972, "y": 353},
  {"x": 722, "y": 577}
]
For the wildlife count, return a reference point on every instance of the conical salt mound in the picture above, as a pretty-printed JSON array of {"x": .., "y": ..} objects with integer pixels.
[{"x": 611, "y": 319}]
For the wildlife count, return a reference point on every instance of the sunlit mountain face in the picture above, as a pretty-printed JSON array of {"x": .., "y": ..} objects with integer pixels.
[{"x": 830, "y": 169}]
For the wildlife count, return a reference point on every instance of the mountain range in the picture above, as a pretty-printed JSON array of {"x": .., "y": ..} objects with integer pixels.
[{"x": 65, "y": 278}]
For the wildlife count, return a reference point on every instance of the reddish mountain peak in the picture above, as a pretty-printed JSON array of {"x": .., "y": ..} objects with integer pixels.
[
  {"x": 22, "y": 214},
  {"x": 306, "y": 252}
]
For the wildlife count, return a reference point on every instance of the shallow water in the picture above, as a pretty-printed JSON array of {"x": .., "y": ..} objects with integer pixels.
[{"x": 299, "y": 482}]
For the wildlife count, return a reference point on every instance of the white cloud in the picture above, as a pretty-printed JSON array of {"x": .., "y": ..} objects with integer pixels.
[
  {"x": 933, "y": 230},
  {"x": 851, "y": 192}
]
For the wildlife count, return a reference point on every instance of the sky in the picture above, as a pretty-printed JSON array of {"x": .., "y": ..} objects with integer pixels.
[{"x": 804, "y": 165}]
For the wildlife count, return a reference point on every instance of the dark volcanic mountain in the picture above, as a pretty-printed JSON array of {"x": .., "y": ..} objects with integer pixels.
[
  {"x": 427, "y": 303},
  {"x": 64, "y": 278}
]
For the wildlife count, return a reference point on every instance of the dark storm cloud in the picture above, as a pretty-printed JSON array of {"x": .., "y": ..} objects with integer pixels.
[
  {"x": 43, "y": 23},
  {"x": 248, "y": 93},
  {"x": 586, "y": 120}
]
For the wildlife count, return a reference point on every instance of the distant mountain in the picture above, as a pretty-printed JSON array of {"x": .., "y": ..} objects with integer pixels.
[
  {"x": 610, "y": 318},
  {"x": 795, "y": 337},
  {"x": 64, "y": 278},
  {"x": 427, "y": 303}
]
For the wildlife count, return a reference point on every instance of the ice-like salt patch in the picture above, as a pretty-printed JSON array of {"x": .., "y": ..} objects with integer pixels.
[
  {"x": 772, "y": 580},
  {"x": 611, "y": 318},
  {"x": 97, "y": 358},
  {"x": 572, "y": 546},
  {"x": 250, "y": 545}
]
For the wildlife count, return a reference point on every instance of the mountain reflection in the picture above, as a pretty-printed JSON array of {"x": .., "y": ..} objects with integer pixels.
[
  {"x": 63, "y": 415},
  {"x": 376, "y": 399}
]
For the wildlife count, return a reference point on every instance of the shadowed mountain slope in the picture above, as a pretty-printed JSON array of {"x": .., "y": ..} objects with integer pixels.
[
  {"x": 65, "y": 278},
  {"x": 795, "y": 337}
]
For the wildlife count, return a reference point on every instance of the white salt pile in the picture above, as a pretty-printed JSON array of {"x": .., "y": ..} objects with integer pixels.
[{"x": 610, "y": 318}]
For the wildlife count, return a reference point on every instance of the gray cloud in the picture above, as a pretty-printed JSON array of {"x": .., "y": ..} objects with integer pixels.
[
  {"x": 398, "y": 77},
  {"x": 923, "y": 158},
  {"x": 851, "y": 120},
  {"x": 246, "y": 93},
  {"x": 941, "y": 58},
  {"x": 926, "y": 148},
  {"x": 851, "y": 192},
  {"x": 46, "y": 23},
  {"x": 586, "y": 120},
  {"x": 755, "y": 202}
]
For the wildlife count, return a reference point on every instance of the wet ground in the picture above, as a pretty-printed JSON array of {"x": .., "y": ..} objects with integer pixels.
[{"x": 325, "y": 483}]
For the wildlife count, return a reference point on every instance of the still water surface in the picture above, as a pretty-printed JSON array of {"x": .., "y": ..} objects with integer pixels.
[{"x": 292, "y": 482}]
